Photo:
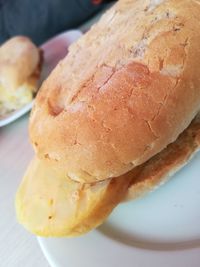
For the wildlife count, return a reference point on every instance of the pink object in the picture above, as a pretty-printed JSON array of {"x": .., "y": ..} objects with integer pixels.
[{"x": 56, "y": 49}]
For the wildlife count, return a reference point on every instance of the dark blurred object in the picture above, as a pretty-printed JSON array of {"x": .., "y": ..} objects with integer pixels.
[{"x": 42, "y": 19}]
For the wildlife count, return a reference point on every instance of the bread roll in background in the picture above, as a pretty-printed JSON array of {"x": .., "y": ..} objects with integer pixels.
[
  {"x": 20, "y": 66},
  {"x": 125, "y": 91}
]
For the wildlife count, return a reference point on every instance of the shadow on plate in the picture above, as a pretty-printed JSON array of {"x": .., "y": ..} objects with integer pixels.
[{"x": 118, "y": 235}]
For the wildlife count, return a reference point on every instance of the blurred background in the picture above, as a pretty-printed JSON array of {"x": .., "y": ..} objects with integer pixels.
[{"x": 41, "y": 20}]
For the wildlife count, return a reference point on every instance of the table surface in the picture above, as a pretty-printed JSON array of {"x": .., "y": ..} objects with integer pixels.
[{"x": 18, "y": 248}]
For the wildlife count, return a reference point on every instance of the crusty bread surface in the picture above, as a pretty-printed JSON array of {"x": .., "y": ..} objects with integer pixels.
[
  {"x": 165, "y": 164},
  {"x": 125, "y": 91},
  {"x": 19, "y": 62}
]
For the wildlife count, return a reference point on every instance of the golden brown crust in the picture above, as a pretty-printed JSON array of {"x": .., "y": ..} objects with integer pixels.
[
  {"x": 19, "y": 60},
  {"x": 162, "y": 166},
  {"x": 125, "y": 91}
]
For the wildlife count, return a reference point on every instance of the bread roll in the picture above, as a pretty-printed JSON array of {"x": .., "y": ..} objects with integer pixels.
[
  {"x": 48, "y": 203},
  {"x": 127, "y": 89},
  {"x": 19, "y": 58},
  {"x": 20, "y": 67}
]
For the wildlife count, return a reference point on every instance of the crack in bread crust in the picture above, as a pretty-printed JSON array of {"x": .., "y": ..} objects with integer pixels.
[
  {"x": 161, "y": 167},
  {"x": 102, "y": 86}
]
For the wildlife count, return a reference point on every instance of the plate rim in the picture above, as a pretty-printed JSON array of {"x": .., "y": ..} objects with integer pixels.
[{"x": 16, "y": 114}]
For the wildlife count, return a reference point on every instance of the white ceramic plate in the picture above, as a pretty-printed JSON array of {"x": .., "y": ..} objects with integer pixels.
[
  {"x": 161, "y": 229},
  {"x": 54, "y": 50}
]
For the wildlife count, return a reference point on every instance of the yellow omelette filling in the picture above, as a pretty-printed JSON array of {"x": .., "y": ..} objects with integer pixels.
[
  {"x": 48, "y": 203},
  {"x": 15, "y": 99}
]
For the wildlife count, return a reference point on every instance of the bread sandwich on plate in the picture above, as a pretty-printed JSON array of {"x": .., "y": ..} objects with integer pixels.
[{"x": 116, "y": 117}]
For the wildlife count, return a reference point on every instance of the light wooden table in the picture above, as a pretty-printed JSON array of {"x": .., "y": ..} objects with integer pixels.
[{"x": 18, "y": 248}]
